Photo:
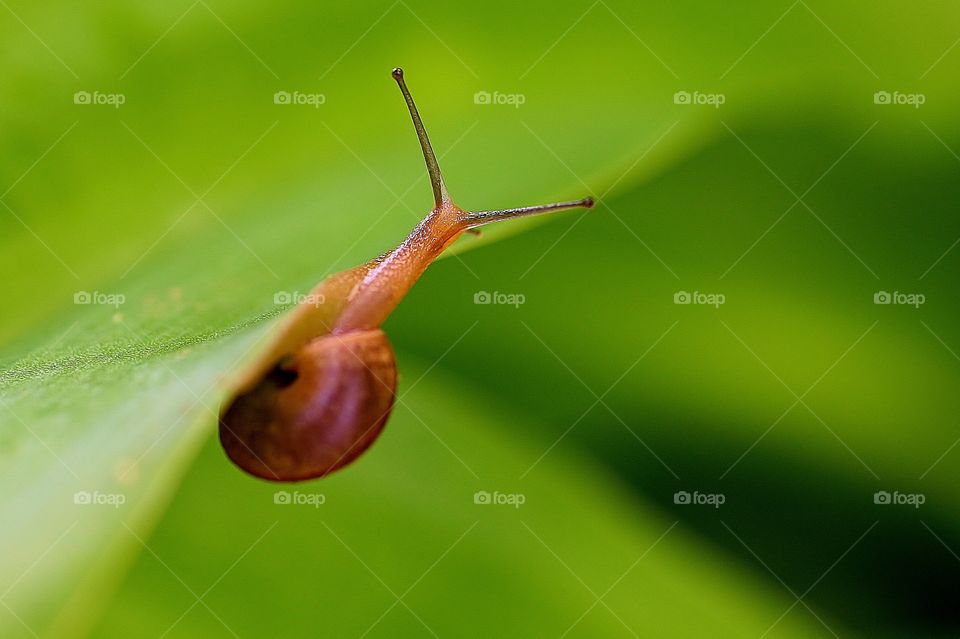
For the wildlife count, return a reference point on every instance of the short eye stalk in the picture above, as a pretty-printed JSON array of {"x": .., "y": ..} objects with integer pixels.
[
  {"x": 478, "y": 218},
  {"x": 321, "y": 392}
]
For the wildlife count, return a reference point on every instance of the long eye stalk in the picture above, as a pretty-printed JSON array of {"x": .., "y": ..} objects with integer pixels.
[
  {"x": 440, "y": 195},
  {"x": 441, "y": 198}
]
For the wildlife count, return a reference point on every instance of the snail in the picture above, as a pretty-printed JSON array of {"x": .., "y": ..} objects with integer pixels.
[{"x": 322, "y": 390}]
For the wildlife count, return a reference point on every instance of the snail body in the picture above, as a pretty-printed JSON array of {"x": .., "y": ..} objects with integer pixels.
[{"x": 323, "y": 389}]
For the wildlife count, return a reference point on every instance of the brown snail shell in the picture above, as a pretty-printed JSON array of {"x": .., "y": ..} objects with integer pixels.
[{"x": 316, "y": 411}]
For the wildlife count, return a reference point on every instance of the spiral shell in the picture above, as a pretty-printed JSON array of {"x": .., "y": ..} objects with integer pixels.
[{"x": 316, "y": 410}]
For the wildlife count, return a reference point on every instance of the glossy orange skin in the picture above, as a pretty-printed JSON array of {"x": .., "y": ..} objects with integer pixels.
[{"x": 322, "y": 391}]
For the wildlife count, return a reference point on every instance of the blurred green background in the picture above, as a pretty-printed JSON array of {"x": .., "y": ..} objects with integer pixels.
[{"x": 777, "y": 458}]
